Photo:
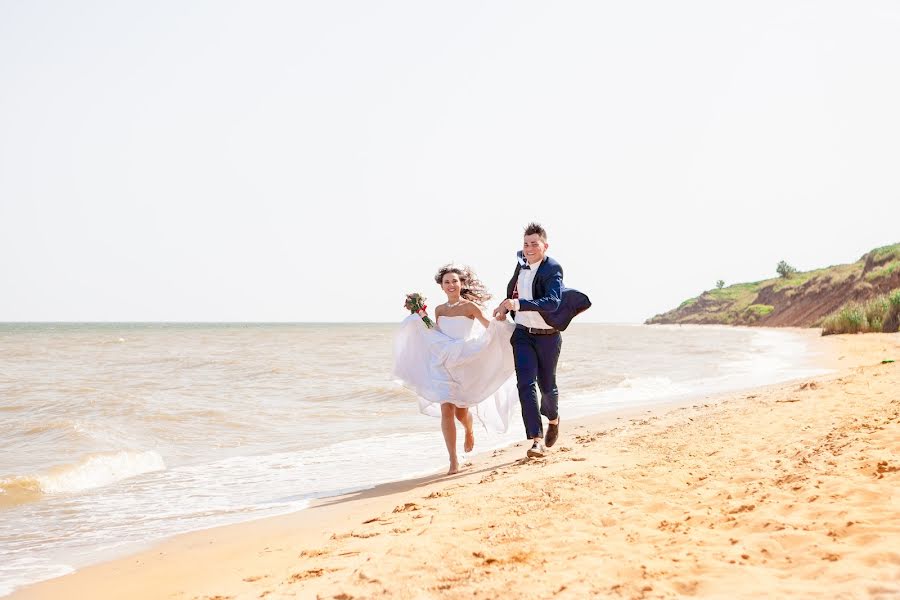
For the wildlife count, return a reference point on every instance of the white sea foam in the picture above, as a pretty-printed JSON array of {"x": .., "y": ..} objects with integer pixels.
[
  {"x": 99, "y": 470},
  {"x": 93, "y": 471},
  {"x": 19, "y": 571}
]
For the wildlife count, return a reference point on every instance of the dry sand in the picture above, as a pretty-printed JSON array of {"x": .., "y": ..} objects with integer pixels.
[{"x": 791, "y": 491}]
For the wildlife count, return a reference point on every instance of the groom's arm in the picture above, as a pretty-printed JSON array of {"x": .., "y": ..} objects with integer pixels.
[
  {"x": 551, "y": 300},
  {"x": 508, "y": 305}
]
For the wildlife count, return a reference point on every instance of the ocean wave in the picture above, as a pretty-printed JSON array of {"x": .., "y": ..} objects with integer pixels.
[
  {"x": 19, "y": 490},
  {"x": 213, "y": 415},
  {"x": 656, "y": 383},
  {"x": 641, "y": 389},
  {"x": 381, "y": 392},
  {"x": 630, "y": 391},
  {"x": 93, "y": 471},
  {"x": 628, "y": 387},
  {"x": 20, "y": 571},
  {"x": 385, "y": 392},
  {"x": 75, "y": 428}
]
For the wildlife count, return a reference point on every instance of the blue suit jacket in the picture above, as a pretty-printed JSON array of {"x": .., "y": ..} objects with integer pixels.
[{"x": 557, "y": 304}]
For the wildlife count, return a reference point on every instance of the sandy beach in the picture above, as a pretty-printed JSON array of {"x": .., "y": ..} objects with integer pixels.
[{"x": 786, "y": 491}]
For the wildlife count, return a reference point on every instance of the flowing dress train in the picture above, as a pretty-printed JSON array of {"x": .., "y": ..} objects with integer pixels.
[{"x": 460, "y": 362}]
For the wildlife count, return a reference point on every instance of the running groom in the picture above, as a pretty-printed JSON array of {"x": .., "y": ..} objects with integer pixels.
[{"x": 541, "y": 307}]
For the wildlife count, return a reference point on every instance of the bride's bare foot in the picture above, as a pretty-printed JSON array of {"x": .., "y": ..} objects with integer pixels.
[
  {"x": 454, "y": 467},
  {"x": 470, "y": 435}
]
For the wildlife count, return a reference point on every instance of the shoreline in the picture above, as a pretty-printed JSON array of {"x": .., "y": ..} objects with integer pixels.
[{"x": 235, "y": 554}]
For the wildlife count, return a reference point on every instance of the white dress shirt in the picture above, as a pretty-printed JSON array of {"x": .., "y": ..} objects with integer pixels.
[{"x": 528, "y": 318}]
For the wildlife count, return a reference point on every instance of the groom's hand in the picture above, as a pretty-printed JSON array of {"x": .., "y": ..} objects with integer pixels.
[{"x": 500, "y": 311}]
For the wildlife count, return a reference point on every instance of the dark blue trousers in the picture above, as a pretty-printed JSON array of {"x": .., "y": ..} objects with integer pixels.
[{"x": 536, "y": 357}]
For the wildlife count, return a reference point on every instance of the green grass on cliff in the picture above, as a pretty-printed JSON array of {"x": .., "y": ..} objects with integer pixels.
[
  {"x": 736, "y": 293},
  {"x": 760, "y": 310},
  {"x": 733, "y": 304},
  {"x": 885, "y": 270},
  {"x": 880, "y": 253},
  {"x": 881, "y": 313},
  {"x": 688, "y": 302},
  {"x": 795, "y": 280},
  {"x": 751, "y": 303},
  {"x": 889, "y": 257}
]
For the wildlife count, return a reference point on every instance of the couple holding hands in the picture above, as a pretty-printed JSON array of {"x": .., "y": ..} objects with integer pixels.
[{"x": 462, "y": 372}]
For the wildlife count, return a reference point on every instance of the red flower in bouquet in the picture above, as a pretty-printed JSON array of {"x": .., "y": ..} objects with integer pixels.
[{"x": 415, "y": 303}]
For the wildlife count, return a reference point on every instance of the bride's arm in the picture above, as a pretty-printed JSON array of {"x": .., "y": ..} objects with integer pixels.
[{"x": 475, "y": 311}]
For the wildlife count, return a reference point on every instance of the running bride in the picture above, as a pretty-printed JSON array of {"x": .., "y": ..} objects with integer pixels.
[{"x": 463, "y": 367}]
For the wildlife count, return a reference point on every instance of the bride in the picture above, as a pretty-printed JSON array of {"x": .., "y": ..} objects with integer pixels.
[{"x": 462, "y": 367}]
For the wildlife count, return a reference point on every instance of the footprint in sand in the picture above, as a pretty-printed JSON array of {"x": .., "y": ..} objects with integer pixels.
[
  {"x": 489, "y": 477},
  {"x": 308, "y": 574},
  {"x": 364, "y": 535},
  {"x": 885, "y": 467}
]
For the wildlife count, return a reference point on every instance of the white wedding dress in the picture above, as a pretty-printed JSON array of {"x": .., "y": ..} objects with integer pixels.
[{"x": 462, "y": 363}]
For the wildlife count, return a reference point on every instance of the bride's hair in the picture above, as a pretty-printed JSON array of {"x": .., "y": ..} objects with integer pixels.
[{"x": 472, "y": 287}]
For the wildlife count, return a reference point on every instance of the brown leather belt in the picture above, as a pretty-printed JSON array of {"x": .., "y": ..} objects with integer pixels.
[{"x": 536, "y": 331}]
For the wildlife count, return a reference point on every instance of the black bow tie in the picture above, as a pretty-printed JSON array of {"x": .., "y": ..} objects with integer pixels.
[{"x": 520, "y": 256}]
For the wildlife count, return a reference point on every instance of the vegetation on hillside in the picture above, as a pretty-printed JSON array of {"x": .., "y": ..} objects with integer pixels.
[
  {"x": 881, "y": 313},
  {"x": 785, "y": 270},
  {"x": 856, "y": 297}
]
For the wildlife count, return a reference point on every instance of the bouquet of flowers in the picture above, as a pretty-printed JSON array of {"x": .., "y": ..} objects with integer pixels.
[{"x": 415, "y": 303}]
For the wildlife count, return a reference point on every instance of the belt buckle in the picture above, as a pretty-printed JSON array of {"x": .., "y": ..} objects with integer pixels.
[{"x": 537, "y": 330}]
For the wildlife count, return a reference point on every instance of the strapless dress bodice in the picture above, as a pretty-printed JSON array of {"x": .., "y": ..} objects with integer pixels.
[{"x": 459, "y": 328}]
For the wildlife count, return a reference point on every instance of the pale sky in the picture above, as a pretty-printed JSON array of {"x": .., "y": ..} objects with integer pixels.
[{"x": 315, "y": 161}]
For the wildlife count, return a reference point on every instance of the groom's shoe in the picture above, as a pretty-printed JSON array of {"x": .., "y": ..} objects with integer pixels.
[
  {"x": 537, "y": 450},
  {"x": 552, "y": 433}
]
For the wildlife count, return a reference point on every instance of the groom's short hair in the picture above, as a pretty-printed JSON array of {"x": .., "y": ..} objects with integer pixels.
[{"x": 533, "y": 228}]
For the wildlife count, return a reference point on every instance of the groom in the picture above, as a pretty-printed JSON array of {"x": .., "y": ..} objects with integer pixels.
[{"x": 541, "y": 307}]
